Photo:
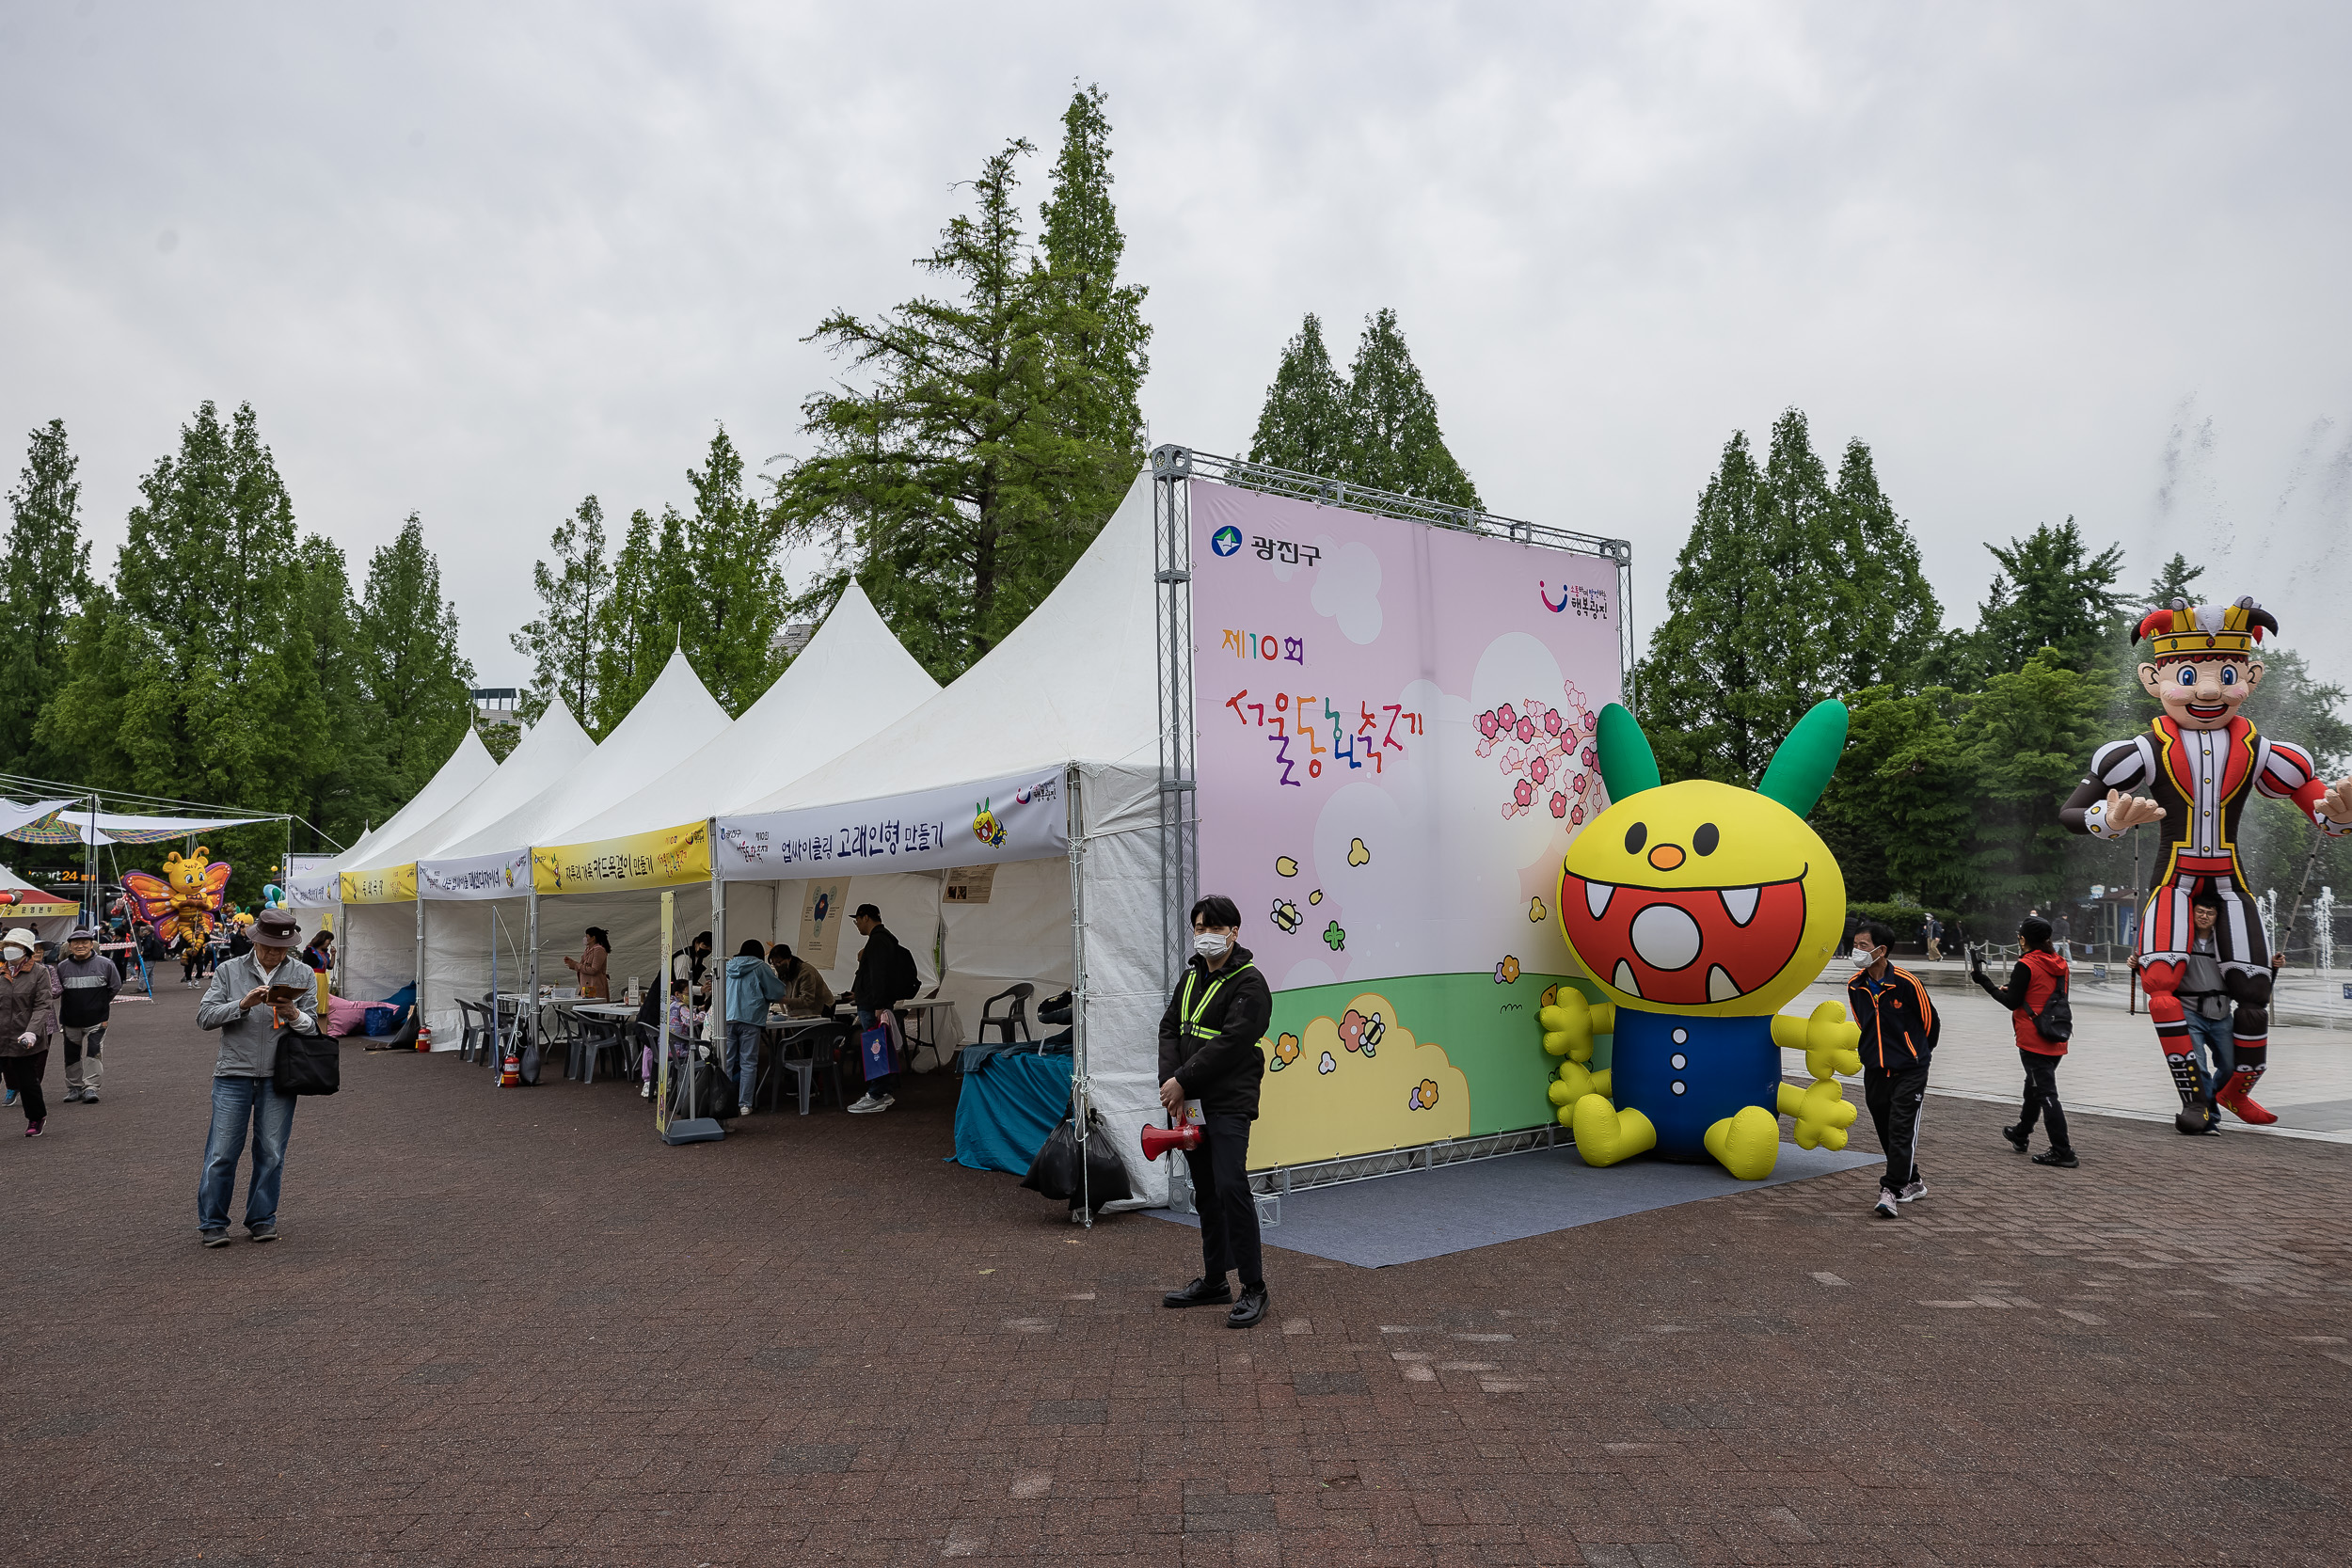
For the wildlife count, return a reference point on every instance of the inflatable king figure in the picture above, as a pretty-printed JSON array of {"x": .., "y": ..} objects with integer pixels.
[
  {"x": 2191, "y": 772},
  {"x": 1699, "y": 909}
]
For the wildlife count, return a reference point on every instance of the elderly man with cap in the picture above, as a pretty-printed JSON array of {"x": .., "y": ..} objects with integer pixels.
[
  {"x": 87, "y": 982},
  {"x": 239, "y": 1003},
  {"x": 28, "y": 1010}
]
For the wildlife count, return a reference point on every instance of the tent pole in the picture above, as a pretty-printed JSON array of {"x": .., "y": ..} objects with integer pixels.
[
  {"x": 420, "y": 982},
  {"x": 1080, "y": 1088},
  {"x": 715, "y": 1016},
  {"x": 531, "y": 934}
]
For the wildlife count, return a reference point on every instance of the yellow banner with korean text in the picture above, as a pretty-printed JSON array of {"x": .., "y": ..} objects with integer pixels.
[
  {"x": 667, "y": 857},
  {"x": 392, "y": 885}
]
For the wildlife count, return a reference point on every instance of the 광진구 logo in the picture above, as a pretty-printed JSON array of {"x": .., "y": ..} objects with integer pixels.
[{"x": 1226, "y": 541}]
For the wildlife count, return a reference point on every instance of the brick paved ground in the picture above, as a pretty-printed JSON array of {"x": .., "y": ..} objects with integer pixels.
[{"x": 509, "y": 1328}]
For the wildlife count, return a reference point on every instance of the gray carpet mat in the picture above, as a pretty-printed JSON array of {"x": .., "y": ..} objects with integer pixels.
[{"x": 1429, "y": 1213}]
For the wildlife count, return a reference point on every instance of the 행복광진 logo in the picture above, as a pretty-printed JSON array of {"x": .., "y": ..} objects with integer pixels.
[{"x": 1226, "y": 541}]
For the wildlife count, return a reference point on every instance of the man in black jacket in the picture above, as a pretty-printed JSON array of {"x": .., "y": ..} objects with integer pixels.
[
  {"x": 1899, "y": 1034},
  {"x": 885, "y": 977},
  {"x": 1210, "y": 1068}
]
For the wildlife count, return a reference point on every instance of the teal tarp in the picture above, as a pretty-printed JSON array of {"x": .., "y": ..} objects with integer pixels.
[{"x": 1011, "y": 1102}]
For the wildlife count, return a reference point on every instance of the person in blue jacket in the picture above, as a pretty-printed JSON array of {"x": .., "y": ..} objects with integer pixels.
[{"x": 752, "y": 984}]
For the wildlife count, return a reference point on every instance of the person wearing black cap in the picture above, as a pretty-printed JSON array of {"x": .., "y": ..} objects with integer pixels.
[
  {"x": 245, "y": 1094},
  {"x": 88, "y": 983},
  {"x": 885, "y": 977}
]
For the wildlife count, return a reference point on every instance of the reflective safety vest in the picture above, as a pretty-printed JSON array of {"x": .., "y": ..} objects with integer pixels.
[{"x": 1191, "y": 1012}]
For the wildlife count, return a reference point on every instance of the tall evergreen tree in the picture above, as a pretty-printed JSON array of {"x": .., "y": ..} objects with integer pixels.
[
  {"x": 1393, "y": 440},
  {"x": 204, "y": 683},
  {"x": 1099, "y": 334},
  {"x": 44, "y": 582},
  {"x": 643, "y": 615},
  {"x": 1891, "y": 621},
  {"x": 561, "y": 643},
  {"x": 419, "y": 687},
  {"x": 1304, "y": 424},
  {"x": 2172, "y": 582},
  {"x": 2052, "y": 592},
  {"x": 738, "y": 578},
  {"x": 955, "y": 484},
  {"x": 350, "y": 781}
]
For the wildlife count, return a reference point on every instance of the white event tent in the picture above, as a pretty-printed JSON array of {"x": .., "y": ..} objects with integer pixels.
[
  {"x": 384, "y": 921},
  {"x": 1069, "y": 701}
]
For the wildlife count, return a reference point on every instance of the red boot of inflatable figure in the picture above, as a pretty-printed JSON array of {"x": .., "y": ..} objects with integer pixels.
[{"x": 2236, "y": 1096}]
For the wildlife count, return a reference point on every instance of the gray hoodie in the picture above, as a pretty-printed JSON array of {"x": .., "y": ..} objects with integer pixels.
[
  {"x": 86, "y": 990},
  {"x": 248, "y": 1040}
]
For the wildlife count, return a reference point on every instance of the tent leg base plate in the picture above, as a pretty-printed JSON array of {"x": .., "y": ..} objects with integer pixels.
[{"x": 696, "y": 1130}]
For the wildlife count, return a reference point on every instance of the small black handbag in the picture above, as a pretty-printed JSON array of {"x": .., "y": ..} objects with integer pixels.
[{"x": 307, "y": 1064}]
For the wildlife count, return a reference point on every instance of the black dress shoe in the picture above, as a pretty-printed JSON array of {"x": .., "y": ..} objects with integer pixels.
[
  {"x": 1248, "y": 1310},
  {"x": 1203, "y": 1291},
  {"x": 2062, "y": 1158},
  {"x": 2018, "y": 1138}
]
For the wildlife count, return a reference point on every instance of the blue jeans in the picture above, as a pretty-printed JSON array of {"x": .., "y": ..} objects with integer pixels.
[
  {"x": 236, "y": 1103},
  {"x": 744, "y": 1058},
  {"x": 2212, "y": 1046}
]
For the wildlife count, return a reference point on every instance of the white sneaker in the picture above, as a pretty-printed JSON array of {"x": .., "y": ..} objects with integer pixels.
[
  {"x": 888, "y": 1100},
  {"x": 1917, "y": 1190},
  {"x": 866, "y": 1105},
  {"x": 742, "y": 1109},
  {"x": 1885, "y": 1209}
]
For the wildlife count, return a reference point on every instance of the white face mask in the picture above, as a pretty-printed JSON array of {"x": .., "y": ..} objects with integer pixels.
[
  {"x": 13, "y": 955},
  {"x": 1210, "y": 944},
  {"x": 1863, "y": 957}
]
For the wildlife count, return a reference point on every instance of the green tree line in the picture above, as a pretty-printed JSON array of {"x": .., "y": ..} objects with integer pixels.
[
  {"x": 1795, "y": 585},
  {"x": 228, "y": 658}
]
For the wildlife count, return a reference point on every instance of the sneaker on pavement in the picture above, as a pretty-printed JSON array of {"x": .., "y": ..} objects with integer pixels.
[
  {"x": 1202, "y": 1291},
  {"x": 73, "y": 1097},
  {"x": 2062, "y": 1158},
  {"x": 89, "y": 1096},
  {"x": 1917, "y": 1190},
  {"x": 742, "y": 1109},
  {"x": 1885, "y": 1208},
  {"x": 888, "y": 1100},
  {"x": 1248, "y": 1310},
  {"x": 213, "y": 1238},
  {"x": 2019, "y": 1139},
  {"x": 7, "y": 1099},
  {"x": 266, "y": 1232},
  {"x": 866, "y": 1105}
]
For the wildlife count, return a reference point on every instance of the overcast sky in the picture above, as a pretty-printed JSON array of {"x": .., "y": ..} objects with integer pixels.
[{"x": 476, "y": 261}]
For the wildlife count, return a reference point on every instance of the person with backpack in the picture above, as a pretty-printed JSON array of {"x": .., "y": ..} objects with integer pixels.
[
  {"x": 885, "y": 977},
  {"x": 2044, "y": 1018},
  {"x": 751, "y": 985},
  {"x": 88, "y": 983},
  {"x": 1899, "y": 1034}
]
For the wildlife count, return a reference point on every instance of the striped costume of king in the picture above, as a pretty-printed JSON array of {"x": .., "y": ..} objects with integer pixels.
[{"x": 2192, "y": 773}]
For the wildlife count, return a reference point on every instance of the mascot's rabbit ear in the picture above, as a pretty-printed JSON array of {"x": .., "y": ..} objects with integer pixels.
[
  {"x": 1628, "y": 766},
  {"x": 1799, "y": 770}
]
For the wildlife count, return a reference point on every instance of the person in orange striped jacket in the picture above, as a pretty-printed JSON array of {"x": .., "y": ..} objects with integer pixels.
[{"x": 1899, "y": 1033}]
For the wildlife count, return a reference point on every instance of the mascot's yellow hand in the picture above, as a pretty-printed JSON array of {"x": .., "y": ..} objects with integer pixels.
[
  {"x": 1570, "y": 1024},
  {"x": 1822, "y": 1113},
  {"x": 1832, "y": 1043},
  {"x": 1573, "y": 1085}
]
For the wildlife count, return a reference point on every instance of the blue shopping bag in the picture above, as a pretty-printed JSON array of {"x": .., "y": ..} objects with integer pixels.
[{"x": 879, "y": 1046}]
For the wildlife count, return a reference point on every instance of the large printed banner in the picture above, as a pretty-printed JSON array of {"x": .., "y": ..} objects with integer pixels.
[
  {"x": 1395, "y": 745},
  {"x": 506, "y": 876},
  {"x": 393, "y": 884},
  {"x": 1023, "y": 817},
  {"x": 666, "y": 857}
]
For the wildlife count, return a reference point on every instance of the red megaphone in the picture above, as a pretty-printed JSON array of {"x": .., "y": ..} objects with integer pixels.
[{"x": 1159, "y": 1140}]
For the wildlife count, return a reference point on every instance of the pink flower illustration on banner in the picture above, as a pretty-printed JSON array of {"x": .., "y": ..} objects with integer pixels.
[
  {"x": 1551, "y": 722},
  {"x": 1488, "y": 724},
  {"x": 1590, "y": 758},
  {"x": 1559, "y": 804},
  {"x": 1506, "y": 718},
  {"x": 1539, "y": 770},
  {"x": 1576, "y": 815},
  {"x": 1576, "y": 783}
]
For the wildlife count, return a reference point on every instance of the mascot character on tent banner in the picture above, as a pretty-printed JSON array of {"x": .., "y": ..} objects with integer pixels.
[
  {"x": 2197, "y": 762},
  {"x": 182, "y": 902},
  {"x": 1699, "y": 909}
]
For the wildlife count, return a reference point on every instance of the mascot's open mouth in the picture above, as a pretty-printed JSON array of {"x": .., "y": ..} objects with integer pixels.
[
  {"x": 1684, "y": 947},
  {"x": 2206, "y": 710}
]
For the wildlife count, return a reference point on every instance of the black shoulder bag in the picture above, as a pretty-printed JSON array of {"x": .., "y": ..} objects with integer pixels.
[
  {"x": 307, "y": 1064},
  {"x": 2055, "y": 1022}
]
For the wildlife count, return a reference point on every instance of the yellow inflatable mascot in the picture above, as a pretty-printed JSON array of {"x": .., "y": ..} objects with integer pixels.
[{"x": 1700, "y": 909}]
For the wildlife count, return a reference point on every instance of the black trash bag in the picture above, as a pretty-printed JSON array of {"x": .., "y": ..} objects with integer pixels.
[
  {"x": 714, "y": 1092},
  {"x": 1054, "y": 1010},
  {"x": 1054, "y": 1171}
]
